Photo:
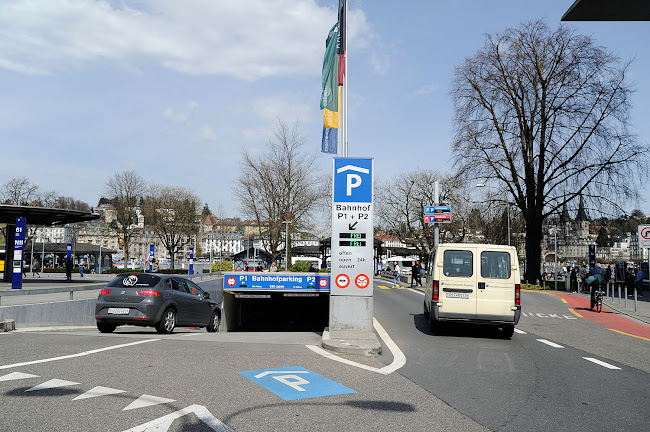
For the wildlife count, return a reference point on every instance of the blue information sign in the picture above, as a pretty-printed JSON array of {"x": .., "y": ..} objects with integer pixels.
[
  {"x": 191, "y": 261},
  {"x": 295, "y": 382},
  {"x": 353, "y": 180},
  {"x": 151, "y": 255},
  {"x": 437, "y": 209},
  {"x": 275, "y": 281},
  {"x": 17, "y": 265}
]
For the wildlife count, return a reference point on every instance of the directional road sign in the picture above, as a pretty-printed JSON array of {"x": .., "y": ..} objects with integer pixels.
[{"x": 352, "y": 229}]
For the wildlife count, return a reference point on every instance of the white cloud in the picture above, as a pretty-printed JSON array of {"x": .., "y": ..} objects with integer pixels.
[
  {"x": 207, "y": 134},
  {"x": 424, "y": 90},
  {"x": 246, "y": 39}
]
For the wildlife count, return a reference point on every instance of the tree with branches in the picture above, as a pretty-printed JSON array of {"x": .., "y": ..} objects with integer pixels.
[
  {"x": 543, "y": 116},
  {"x": 124, "y": 190},
  {"x": 173, "y": 212},
  {"x": 280, "y": 185},
  {"x": 19, "y": 191}
]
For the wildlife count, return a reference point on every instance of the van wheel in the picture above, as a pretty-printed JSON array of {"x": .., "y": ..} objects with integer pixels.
[
  {"x": 435, "y": 327},
  {"x": 426, "y": 312},
  {"x": 508, "y": 331}
]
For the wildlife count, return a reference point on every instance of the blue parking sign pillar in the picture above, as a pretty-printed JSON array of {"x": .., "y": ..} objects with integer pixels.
[
  {"x": 151, "y": 255},
  {"x": 69, "y": 250},
  {"x": 191, "y": 260},
  {"x": 17, "y": 262}
]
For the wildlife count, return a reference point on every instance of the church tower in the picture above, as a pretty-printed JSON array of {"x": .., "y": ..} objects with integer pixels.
[{"x": 582, "y": 221}]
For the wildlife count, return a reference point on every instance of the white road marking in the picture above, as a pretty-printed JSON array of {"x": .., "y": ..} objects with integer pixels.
[
  {"x": 192, "y": 334},
  {"x": 147, "y": 400},
  {"x": 17, "y": 376},
  {"x": 602, "y": 363},
  {"x": 98, "y": 391},
  {"x": 549, "y": 343},
  {"x": 163, "y": 424},
  {"x": 81, "y": 354},
  {"x": 399, "y": 359},
  {"x": 416, "y": 291},
  {"x": 53, "y": 383},
  {"x": 520, "y": 331}
]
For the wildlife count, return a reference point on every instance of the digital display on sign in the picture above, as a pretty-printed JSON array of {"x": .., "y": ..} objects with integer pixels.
[
  {"x": 352, "y": 235},
  {"x": 352, "y": 243}
]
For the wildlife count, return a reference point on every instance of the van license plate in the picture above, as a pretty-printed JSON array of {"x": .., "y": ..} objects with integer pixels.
[
  {"x": 118, "y": 311},
  {"x": 457, "y": 295}
]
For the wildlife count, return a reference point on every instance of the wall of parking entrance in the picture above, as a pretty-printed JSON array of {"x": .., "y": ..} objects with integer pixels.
[{"x": 71, "y": 312}]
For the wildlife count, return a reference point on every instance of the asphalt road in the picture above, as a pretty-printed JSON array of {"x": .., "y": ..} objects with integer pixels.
[
  {"x": 468, "y": 379},
  {"x": 539, "y": 380}
]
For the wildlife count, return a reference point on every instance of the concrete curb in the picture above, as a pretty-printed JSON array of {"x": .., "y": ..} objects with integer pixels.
[{"x": 360, "y": 342}]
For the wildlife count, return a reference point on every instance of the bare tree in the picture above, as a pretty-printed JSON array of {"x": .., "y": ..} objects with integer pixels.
[
  {"x": 280, "y": 185},
  {"x": 174, "y": 214},
  {"x": 543, "y": 116},
  {"x": 19, "y": 191},
  {"x": 124, "y": 189},
  {"x": 401, "y": 202}
]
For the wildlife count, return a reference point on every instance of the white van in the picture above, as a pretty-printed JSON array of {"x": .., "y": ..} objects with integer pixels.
[{"x": 474, "y": 283}]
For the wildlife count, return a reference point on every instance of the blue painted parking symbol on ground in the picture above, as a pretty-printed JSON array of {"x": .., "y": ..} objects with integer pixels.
[{"x": 295, "y": 382}]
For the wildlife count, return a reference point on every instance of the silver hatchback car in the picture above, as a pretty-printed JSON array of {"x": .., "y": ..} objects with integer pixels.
[{"x": 156, "y": 300}]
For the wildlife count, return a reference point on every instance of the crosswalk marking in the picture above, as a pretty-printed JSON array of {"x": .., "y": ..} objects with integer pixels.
[
  {"x": 17, "y": 376},
  {"x": 383, "y": 287},
  {"x": 147, "y": 400},
  {"x": 53, "y": 383},
  {"x": 98, "y": 391}
]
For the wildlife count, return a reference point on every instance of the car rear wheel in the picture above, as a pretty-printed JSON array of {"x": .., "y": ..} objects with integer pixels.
[
  {"x": 214, "y": 323},
  {"x": 167, "y": 323},
  {"x": 105, "y": 327}
]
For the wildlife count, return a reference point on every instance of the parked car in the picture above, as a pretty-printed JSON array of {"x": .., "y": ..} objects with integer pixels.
[{"x": 156, "y": 300}]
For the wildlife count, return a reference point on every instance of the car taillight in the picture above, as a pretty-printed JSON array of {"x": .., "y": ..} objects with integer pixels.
[
  {"x": 517, "y": 294},
  {"x": 148, "y": 293},
  {"x": 105, "y": 292},
  {"x": 436, "y": 290}
]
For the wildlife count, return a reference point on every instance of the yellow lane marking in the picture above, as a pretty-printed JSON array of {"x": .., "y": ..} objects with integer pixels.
[
  {"x": 401, "y": 287},
  {"x": 383, "y": 287},
  {"x": 564, "y": 301},
  {"x": 627, "y": 334},
  {"x": 575, "y": 313}
]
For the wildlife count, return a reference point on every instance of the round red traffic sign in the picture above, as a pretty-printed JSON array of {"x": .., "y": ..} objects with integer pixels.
[
  {"x": 342, "y": 281},
  {"x": 362, "y": 281},
  {"x": 322, "y": 283},
  {"x": 645, "y": 233},
  {"x": 231, "y": 281}
]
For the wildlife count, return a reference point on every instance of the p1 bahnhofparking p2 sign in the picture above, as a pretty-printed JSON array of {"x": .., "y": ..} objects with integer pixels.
[{"x": 352, "y": 229}]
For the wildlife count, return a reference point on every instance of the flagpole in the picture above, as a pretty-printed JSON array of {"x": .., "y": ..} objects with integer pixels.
[{"x": 345, "y": 82}]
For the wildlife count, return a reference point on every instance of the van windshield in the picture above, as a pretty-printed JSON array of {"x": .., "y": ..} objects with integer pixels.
[
  {"x": 495, "y": 265},
  {"x": 458, "y": 263}
]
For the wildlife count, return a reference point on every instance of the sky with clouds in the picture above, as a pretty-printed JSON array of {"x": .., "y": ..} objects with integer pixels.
[{"x": 176, "y": 89}]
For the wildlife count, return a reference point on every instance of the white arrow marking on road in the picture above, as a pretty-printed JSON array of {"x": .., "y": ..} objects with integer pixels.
[
  {"x": 98, "y": 391},
  {"x": 602, "y": 363},
  {"x": 163, "y": 424},
  {"x": 17, "y": 376},
  {"x": 520, "y": 331},
  {"x": 53, "y": 383},
  {"x": 147, "y": 400},
  {"x": 549, "y": 343}
]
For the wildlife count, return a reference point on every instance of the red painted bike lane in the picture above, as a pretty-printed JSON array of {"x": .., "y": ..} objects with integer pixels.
[{"x": 607, "y": 317}]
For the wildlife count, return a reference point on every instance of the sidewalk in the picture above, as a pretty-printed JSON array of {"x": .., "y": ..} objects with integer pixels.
[{"x": 52, "y": 287}]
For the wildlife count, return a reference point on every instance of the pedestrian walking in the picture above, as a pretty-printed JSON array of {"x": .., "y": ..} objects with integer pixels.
[
  {"x": 639, "y": 282},
  {"x": 36, "y": 268},
  {"x": 573, "y": 278},
  {"x": 415, "y": 277},
  {"x": 68, "y": 268},
  {"x": 396, "y": 282},
  {"x": 81, "y": 267}
]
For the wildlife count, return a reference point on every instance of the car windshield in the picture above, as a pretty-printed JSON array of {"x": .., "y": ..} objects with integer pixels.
[{"x": 134, "y": 280}]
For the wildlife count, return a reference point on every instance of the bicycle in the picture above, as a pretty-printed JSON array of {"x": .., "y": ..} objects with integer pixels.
[{"x": 598, "y": 300}]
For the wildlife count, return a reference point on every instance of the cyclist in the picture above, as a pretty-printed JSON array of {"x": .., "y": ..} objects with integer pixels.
[{"x": 595, "y": 280}]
